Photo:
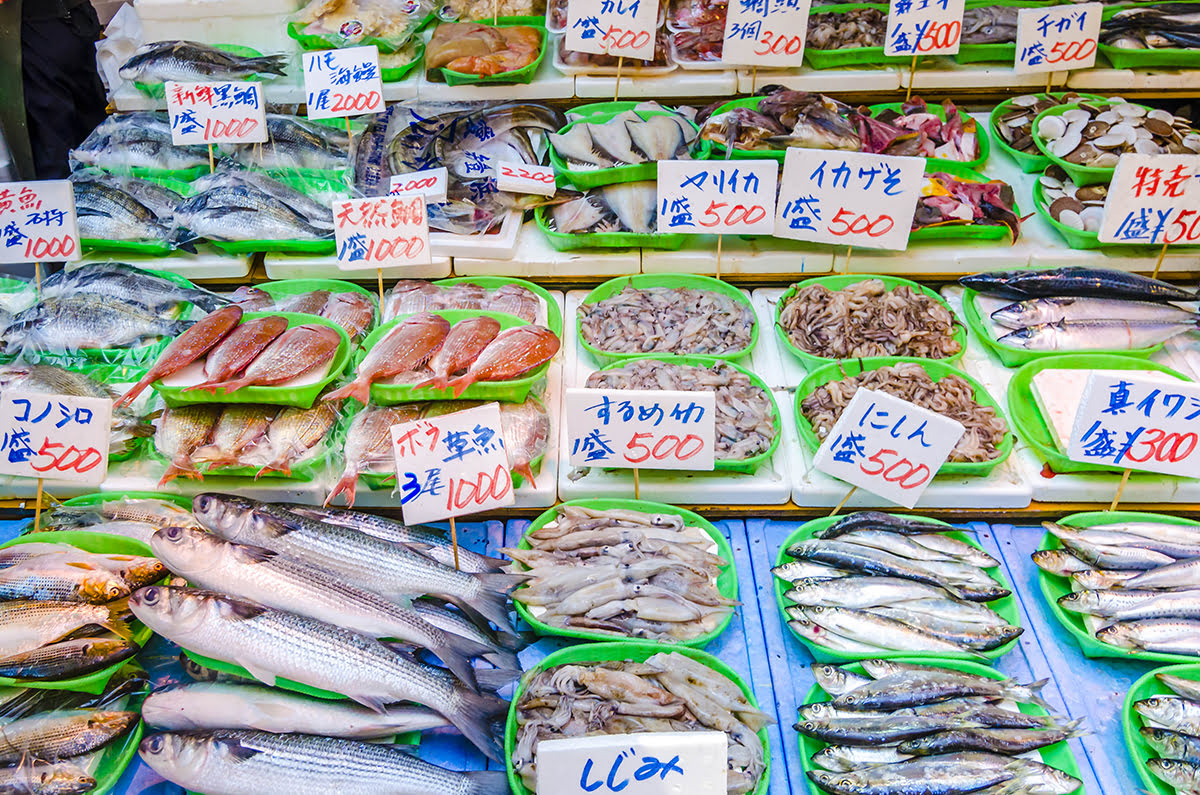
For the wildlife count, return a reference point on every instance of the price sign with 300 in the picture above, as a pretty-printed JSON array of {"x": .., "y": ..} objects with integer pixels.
[
  {"x": 620, "y": 28},
  {"x": 1153, "y": 199},
  {"x": 765, "y": 32},
  {"x": 641, "y": 429},
  {"x": 1057, "y": 38},
  {"x": 924, "y": 27},
  {"x": 734, "y": 197},
  {"x": 37, "y": 222},
  {"x": 56, "y": 437},
  {"x": 216, "y": 113},
  {"x": 343, "y": 82},
  {"x": 381, "y": 232}
]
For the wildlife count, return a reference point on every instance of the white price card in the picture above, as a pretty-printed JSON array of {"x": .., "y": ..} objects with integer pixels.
[
  {"x": 706, "y": 197},
  {"x": 765, "y": 32},
  {"x": 641, "y": 429},
  {"x": 924, "y": 27},
  {"x": 1153, "y": 199},
  {"x": 430, "y": 183},
  {"x": 887, "y": 446},
  {"x": 658, "y": 763},
  {"x": 848, "y": 198},
  {"x": 514, "y": 177},
  {"x": 56, "y": 437},
  {"x": 37, "y": 222},
  {"x": 1141, "y": 421},
  {"x": 216, "y": 113},
  {"x": 452, "y": 465},
  {"x": 381, "y": 232},
  {"x": 1057, "y": 38},
  {"x": 343, "y": 82},
  {"x": 620, "y": 28}
]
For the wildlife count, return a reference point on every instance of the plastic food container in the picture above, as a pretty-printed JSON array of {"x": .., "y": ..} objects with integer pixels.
[
  {"x": 563, "y": 241},
  {"x": 1139, "y": 750},
  {"x": 1080, "y": 175},
  {"x": 523, "y": 75},
  {"x": 961, "y": 231},
  {"x": 554, "y": 315},
  {"x": 981, "y": 137},
  {"x": 998, "y": 51},
  {"x": 591, "y": 178},
  {"x": 849, "y": 56},
  {"x": 1030, "y": 164}
]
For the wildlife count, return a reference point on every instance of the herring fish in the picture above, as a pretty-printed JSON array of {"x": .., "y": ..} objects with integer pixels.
[
  {"x": 465, "y": 341},
  {"x": 240, "y": 347},
  {"x": 406, "y": 347},
  {"x": 297, "y": 351},
  {"x": 1037, "y": 311},
  {"x": 510, "y": 355},
  {"x": 67, "y": 659},
  {"x": 46, "y": 778},
  {"x": 187, "y": 348}
]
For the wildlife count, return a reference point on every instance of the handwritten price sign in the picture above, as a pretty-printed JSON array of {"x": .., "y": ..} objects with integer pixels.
[
  {"x": 381, "y": 232},
  {"x": 734, "y": 197},
  {"x": 37, "y": 222},
  {"x": 641, "y": 429},
  {"x": 888, "y": 446},
  {"x": 1153, "y": 199},
  {"x": 430, "y": 183},
  {"x": 634, "y": 764},
  {"x": 343, "y": 82},
  {"x": 452, "y": 465},
  {"x": 924, "y": 27},
  {"x": 612, "y": 27},
  {"x": 216, "y": 113},
  {"x": 765, "y": 32},
  {"x": 848, "y": 198},
  {"x": 524, "y": 178},
  {"x": 57, "y": 437},
  {"x": 1057, "y": 38},
  {"x": 1137, "y": 421}
]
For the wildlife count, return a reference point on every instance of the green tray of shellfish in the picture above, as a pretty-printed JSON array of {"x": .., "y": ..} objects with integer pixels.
[
  {"x": 1029, "y": 163},
  {"x": 1081, "y": 175}
]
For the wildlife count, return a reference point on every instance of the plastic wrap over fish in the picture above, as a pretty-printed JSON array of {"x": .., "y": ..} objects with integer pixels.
[
  {"x": 346, "y": 23},
  {"x": 411, "y": 296}
]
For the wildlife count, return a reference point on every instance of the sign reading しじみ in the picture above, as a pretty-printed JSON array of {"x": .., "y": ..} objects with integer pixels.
[
  {"x": 56, "y": 437},
  {"x": 216, "y": 113},
  {"x": 651, "y": 763},
  {"x": 1153, "y": 199},
  {"x": 343, "y": 82},
  {"x": 37, "y": 222},
  {"x": 381, "y": 232}
]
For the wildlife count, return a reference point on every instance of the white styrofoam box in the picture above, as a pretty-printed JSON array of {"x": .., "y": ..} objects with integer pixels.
[
  {"x": 548, "y": 83},
  {"x": 679, "y": 83},
  {"x": 286, "y": 90},
  {"x": 143, "y": 473},
  {"x": 292, "y": 266},
  {"x": 777, "y": 366},
  {"x": 1107, "y": 81},
  {"x": 208, "y": 262},
  {"x": 501, "y": 244},
  {"x": 942, "y": 72},
  {"x": 534, "y": 256},
  {"x": 739, "y": 254},
  {"x": 260, "y": 24},
  {"x": 824, "y": 81}
]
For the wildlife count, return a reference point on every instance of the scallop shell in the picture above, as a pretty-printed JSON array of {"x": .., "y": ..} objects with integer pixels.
[
  {"x": 1110, "y": 141},
  {"x": 1145, "y": 146},
  {"x": 1161, "y": 115},
  {"x": 1050, "y": 182},
  {"x": 1025, "y": 101},
  {"x": 1071, "y": 219},
  {"x": 1105, "y": 160},
  {"x": 1130, "y": 111},
  {"x": 1076, "y": 114},
  {"x": 1052, "y": 128},
  {"x": 1092, "y": 217}
]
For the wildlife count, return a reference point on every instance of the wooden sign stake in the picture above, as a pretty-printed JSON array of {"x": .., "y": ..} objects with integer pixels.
[
  {"x": 1120, "y": 489},
  {"x": 912, "y": 71},
  {"x": 849, "y": 251},
  {"x": 617, "y": 87},
  {"x": 1049, "y": 83},
  {"x": 637, "y": 486},
  {"x": 1161, "y": 254},
  {"x": 720, "y": 238},
  {"x": 37, "y": 274},
  {"x": 495, "y": 12},
  {"x": 211, "y": 162},
  {"x": 845, "y": 500},
  {"x": 379, "y": 277},
  {"x": 753, "y": 78},
  {"x": 454, "y": 542},
  {"x": 37, "y": 509}
]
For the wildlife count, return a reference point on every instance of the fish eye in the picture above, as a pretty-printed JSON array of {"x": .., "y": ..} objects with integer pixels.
[
  {"x": 174, "y": 533},
  {"x": 849, "y": 699},
  {"x": 149, "y": 596},
  {"x": 202, "y": 502},
  {"x": 153, "y": 744}
]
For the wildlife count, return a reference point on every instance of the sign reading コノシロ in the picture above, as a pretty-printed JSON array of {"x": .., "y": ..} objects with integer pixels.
[
  {"x": 37, "y": 222},
  {"x": 732, "y": 197},
  {"x": 848, "y": 198},
  {"x": 56, "y": 437},
  {"x": 343, "y": 82},
  {"x": 452, "y": 465},
  {"x": 1057, "y": 38},
  {"x": 655, "y": 763},
  {"x": 620, "y": 28},
  {"x": 216, "y": 113},
  {"x": 381, "y": 232},
  {"x": 1137, "y": 420},
  {"x": 887, "y": 446},
  {"x": 765, "y": 32},
  {"x": 924, "y": 27},
  {"x": 1153, "y": 199},
  {"x": 641, "y": 429}
]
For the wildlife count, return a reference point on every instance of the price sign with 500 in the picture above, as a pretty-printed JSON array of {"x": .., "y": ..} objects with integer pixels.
[
  {"x": 924, "y": 27},
  {"x": 56, "y": 437},
  {"x": 621, "y": 28},
  {"x": 731, "y": 197},
  {"x": 641, "y": 429},
  {"x": 1063, "y": 37}
]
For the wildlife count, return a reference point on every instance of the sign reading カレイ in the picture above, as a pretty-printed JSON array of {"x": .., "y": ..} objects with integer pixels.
[
  {"x": 37, "y": 222},
  {"x": 56, "y": 437},
  {"x": 1138, "y": 421},
  {"x": 1057, "y": 38},
  {"x": 887, "y": 446},
  {"x": 343, "y": 82},
  {"x": 452, "y": 465},
  {"x": 620, "y": 28},
  {"x": 765, "y": 32},
  {"x": 381, "y": 232},
  {"x": 924, "y": 27},
  {"x": 848, "y": 198},
  {"x": 216, "y": 113},
  {"x": 1153, "y": 199},
  {"x": 734, "y": 197},
  {"x": 641, "y": 429},
  {"x": 635, "y": 764}
]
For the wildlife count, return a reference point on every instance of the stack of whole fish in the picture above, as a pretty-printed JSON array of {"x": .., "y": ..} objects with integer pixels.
[
  {"x": 294, "y": 142},
  {"x": 874, "y": 583},
  {"x": 130, "y": 517},
  {"x": 61, "y": 609},
  {"x": 626, "y": 139},
  {"x": 410, "y": 296},
  {"x": 892, "y": 728},
  {"x": 1171, "y": 726},
  {"x": 623, "y": 572},
  {"x": 188, "y": 62},
  {"x": 1136, "y": 584},
  {"x": 353, "y": 311},
  {"x": 783, "y": 118},
  {"x": 620, "y": 207},
  {"x": 1080, "y": 309},
  {"x": 1153, "y": 26},
  {"x": 141, "y": 140},
  {"x": 126, "y": 209},
  {"x": 240, "y": 205},
  {"x": 669, "y": 692},
  {"x": 947, "y": 200},
  {"x": 667, "y": 320}
]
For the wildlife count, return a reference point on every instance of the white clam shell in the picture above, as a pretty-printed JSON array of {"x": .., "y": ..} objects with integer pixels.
[
  {"x": 1144, "y": 146},
  {"x": 1192, "y": 141},
  {"x": 1050, "y": 182},
  {"x": 1025, "y": 101},
  {"x": 1161, "y": 115},
  {"x": 1105, "y": 160},
  {"x": 1109, "y": 141},
  {"x": 1130, "y": 111},
  {"x": 1065, "y": 145},
  {"x": 1092, "y": 217},
  {"x": 1077, "y": 114},
  {"x": 1051, "y": 128},
  {"x": 1070, "y": 218},
  {"x": 1109, "y": 117}
]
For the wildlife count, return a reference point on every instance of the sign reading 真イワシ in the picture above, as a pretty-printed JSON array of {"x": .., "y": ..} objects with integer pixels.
[
  {"x": 620, "y": 28},
  {"x": 924, "y": 27},
  {"x": 848, "y": 198},
  {"x": 37, "y": 222},
  {"x": 734, "y": 197},
  {"x": 641, "y": 429},
  {"x": 56, "y": 437},
  {"x": 216, "y": 113},
  {"x": 381, "y": 232},
  {"x": 765, "y": 32},
  {"x": 343, "y": 82},
  {"x": 1057, "y": 38},
  {"x": 1153, "y": 199},
  {"x": 1135, "y": 420},
  {"x": 651, "y": 763}
]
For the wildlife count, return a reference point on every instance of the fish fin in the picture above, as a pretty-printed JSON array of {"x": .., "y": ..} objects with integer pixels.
[
  {"x": 526, "y": 471},
  {"x": 486, "y": 782},
  {"x": 229, "y": 386},
  {"x": 437, "y": 382},
  {"x": 457, "y": 660},
  {"x": 505, "y": 660},
  {"x": 135, "y": 390},
  {"x": 373, "y": 703},
  {"x": 494, "y": 679},
  {"x": 1033, "y": 693},
  {"x": 495, "y": 611},
  {"x": 473, "y": 717},
  {"x": 358, "y": 389},
  {"x": 346, "y": 485},
  {"x": 249, "y": 554},
  {"x": 460, "y": 384},
  {"x": 502, "y": 582},
  {"x": 116, "y": 625},
  {"x": 261, "y": 674},
  {"x": 213, "y": 456}
]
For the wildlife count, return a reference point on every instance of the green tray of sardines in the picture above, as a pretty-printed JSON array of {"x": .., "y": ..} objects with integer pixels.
[{"x": 1156, "y": 776}]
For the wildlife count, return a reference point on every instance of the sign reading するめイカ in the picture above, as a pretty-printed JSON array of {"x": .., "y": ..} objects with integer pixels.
[
  {"x": 732, "y": 197},
  {"x": 343, "y": 82},
  {"x": 1153, "y": 199},
  {"x": 56, "y": 437},
  {"x": 216, "y": 113},
  {"x": 37, "y": 222},
  {"x": 381, "y": 232},
  {"x": 641, "y": 429}
]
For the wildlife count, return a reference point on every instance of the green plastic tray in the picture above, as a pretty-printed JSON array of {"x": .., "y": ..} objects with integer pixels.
[
  {"x": 717, "y": 150},
  {"x": 1000, "y": 51},
  {"x": 554, "y": 315},
  {"x": 937, "y": 370},
  {"x": 1030, "y": 164},
  {"x": 110, "y": 496},
  {"x": 309, "y": 41},
  {"x": 1027, "y": 419},
  {"x": 850, "y": 56},
  {"x": 397, "y": 73},
  {"x": 137, "y": 246},
  {"x": 289, "y": 287},
  {"x": 673, "y": 280},
  {"x": 961, "y": 231},
  {"x": 159, "y": 90},
  {"x": 1077, "y": 239},
  {"x": 1162, "y": 58},
  {"x": 90, "y": 542},
  {"x": 305, "y": 471},
  {"x": 303, "y": 396},
  {"x": 834, "y": 283},
  {"x": 1005, "y": 607},
  {"x": 523, "y": 75},
  {"x": 562, "y": 241},
  {"x": 633, "y": 651},
  {"x": 745, "y": 465},
  {"x": 514, "y": 391},
  {"x": 179, "y": 174},
  {"x": 1057, "y": 756},
  {"x": 939, "y": 110},
  {"x": 1080, "y": 175},
  {"x": 592, "y": 178},
  {"x": 727, "y": 582},
  {"x": 1054, "y": 586},
  {"x": 1139, "y": 750}
]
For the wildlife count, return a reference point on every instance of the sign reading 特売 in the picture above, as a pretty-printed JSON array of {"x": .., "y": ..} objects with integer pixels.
[
  {"x": 620, "y": 28},
  {"x": 452, "y": 465},
  {"x": 765, "y": 32},
  {"x": 381, "y": 232},
  {"x": 1138, "y": 421},
  {"x": 1153, "y": 199},
  {"x": 924, "y": 27},
  {"x": 343, "y": 82},
  {"x": 216, "y": 113},
  {"x": 848, "y": 198},
  {"x": 635, "y": 764},
  {"x": 1057, "y": 38},
  {"x": 734, "y": 197},
  {"x": 887, "y": 446},
  {"x": 37, "y": 222},
  {"x": 56, "y": 437},
  {"x": 641, "y": 429},
  {"x": 430, "y": 183}
]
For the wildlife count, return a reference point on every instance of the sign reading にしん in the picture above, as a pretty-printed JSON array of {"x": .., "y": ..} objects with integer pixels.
[
  {"x": 924, "y": 27},
  {"x": 56, "y": 437},
  {"x": 1057, "y": 38},
  {"x": 765, "y": 32},
  {"x": 641, "y": 429},
  {"x": 655, "y": 763},
  {"x": 1153, "y": 199},
  {"x": 216, "y": 113},
  {"x": 620, "y": 28},
  {"x": 343, "y": 82},
  {"x": 381, "y": 232},
  {"x": 724, "y": 197},
  {"x": 887, "y": 446},
  {"x": 37, "y": 222}
]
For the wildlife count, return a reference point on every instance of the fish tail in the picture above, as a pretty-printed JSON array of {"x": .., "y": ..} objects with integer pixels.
[
  {"x": 228, "y": 386},
  {"x": 525, "y": 470},
  {"x": 486, "y": 782},
  {"x": 213, "y": 456},
  {"x": 460, "y": 384},
  {"x": 358, "y": 389},
  {"x": 456, "y": 652},
  {"x": 177, "y": 469},
  {"x": 346, "y": 485},
  {"x": 492, "y": 600},
  {"x": 135, "y": 390},
  {"x": 472, "y": 716},
  {"x": 504, "y": 660},
  {"x": 438, "y": 382},
  {"x": 1033, "y": 693}
]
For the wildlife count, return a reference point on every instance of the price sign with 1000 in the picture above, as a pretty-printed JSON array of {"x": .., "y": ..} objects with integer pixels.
[
  {"x": 620, "y": 28},
  {"x": 924, "y": 27},
  {"x": 37, "y": 222},
  {"x": 381, "y": 232},
  {"x": 56, "y": 437},
  {"x": 765, "y": 32},
  {"x": 1057, "y": 38},
  {"x": 735, "y": 197},
  {"x": 216, "y": 113},
  {"x": 1153, "y": 199}
]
